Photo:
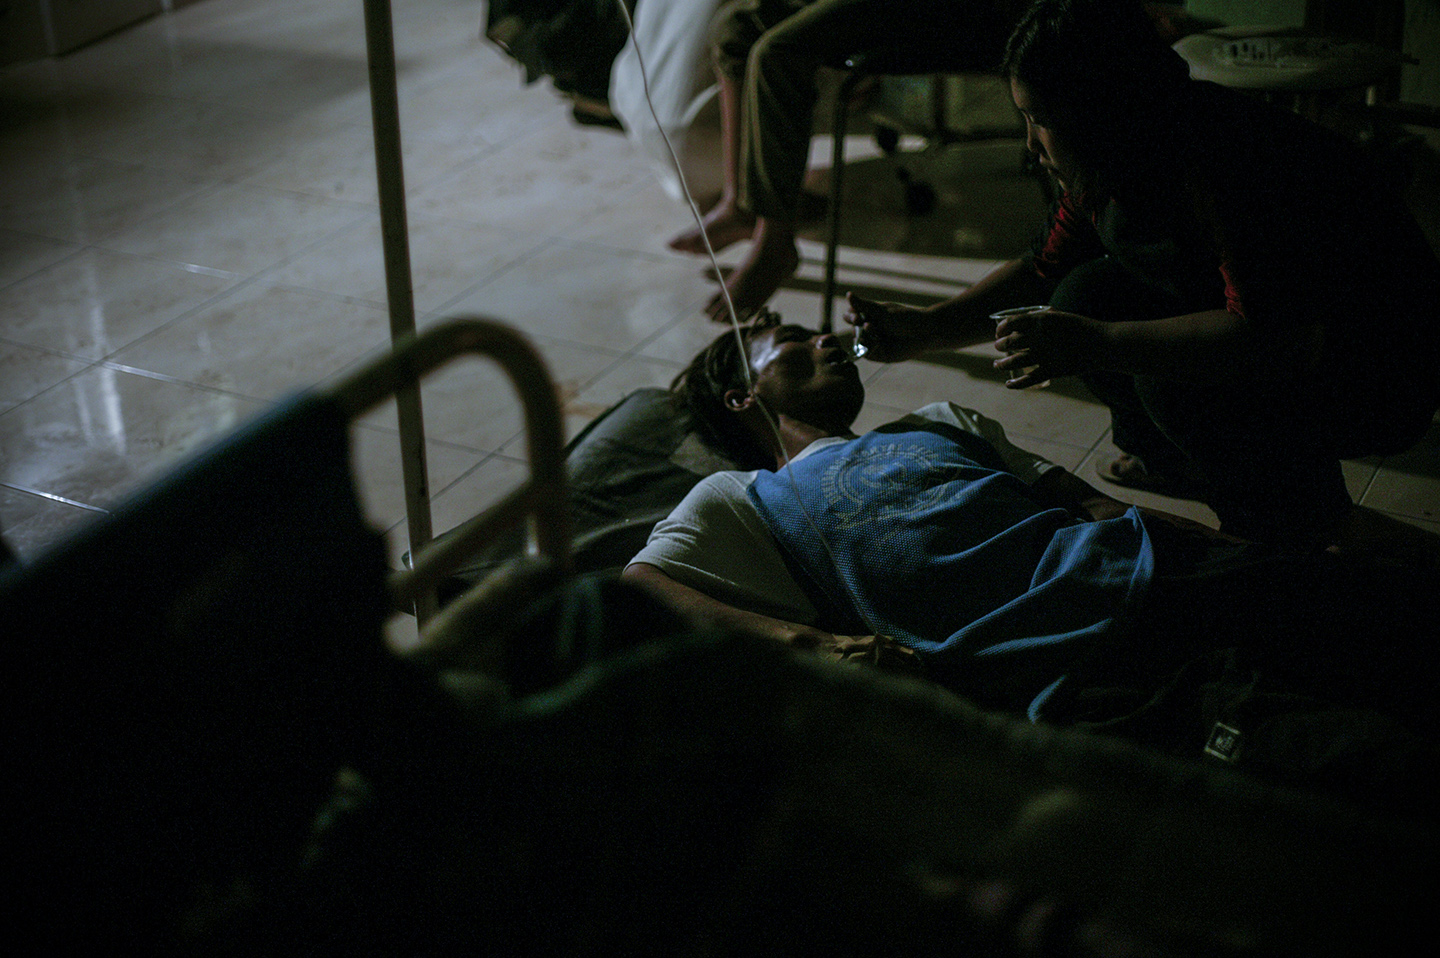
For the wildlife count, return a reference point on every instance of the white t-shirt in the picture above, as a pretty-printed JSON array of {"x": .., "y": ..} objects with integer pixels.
[{"x": 716, "y": 543}]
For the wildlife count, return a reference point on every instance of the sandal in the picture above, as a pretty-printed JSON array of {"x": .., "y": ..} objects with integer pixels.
[{"x": 1132, "y": 473}]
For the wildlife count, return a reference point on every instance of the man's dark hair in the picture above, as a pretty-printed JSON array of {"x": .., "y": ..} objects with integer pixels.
[
  {"x": 701, "y": 388},
  {"x": 1104, "y": 78}
]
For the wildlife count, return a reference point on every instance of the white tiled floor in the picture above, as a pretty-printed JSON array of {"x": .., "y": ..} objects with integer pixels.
[{"x": 189, "y": 229}]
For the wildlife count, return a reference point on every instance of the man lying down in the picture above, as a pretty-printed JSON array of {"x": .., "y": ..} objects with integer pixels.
[{"x": 1004, "y": 577}]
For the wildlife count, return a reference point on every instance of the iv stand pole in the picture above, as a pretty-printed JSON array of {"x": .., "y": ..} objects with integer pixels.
[{"x": 385, "y": 117}]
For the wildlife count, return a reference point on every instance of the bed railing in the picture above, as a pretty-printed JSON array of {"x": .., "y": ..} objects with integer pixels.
[{"x": 541, "y": 501}]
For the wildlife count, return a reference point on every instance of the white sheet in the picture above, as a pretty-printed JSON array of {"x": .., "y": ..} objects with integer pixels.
[{"x": 673, "y": 37}]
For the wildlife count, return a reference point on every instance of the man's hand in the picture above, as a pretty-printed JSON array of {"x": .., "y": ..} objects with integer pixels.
[
  {"x": 879, "y": 651},
  {"x": 1047, "y": 345}
]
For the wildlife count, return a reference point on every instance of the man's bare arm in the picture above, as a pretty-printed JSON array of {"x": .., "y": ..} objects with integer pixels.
[
  {"x": 701, "y": 607},
  {"x": 878, "y": 651}
]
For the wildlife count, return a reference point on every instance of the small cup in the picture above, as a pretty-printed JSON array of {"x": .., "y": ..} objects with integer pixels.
[{"x": 1020, "y": 311}]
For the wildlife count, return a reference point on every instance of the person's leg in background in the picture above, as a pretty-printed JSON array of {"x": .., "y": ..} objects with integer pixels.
[
  {"x": 781, "y": 92},
  {"x": 737, "y": 27},
  {"x": 772, "y": 52}
]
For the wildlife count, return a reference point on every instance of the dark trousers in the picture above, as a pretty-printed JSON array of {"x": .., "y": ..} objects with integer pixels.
[
  {"x": 775, "y": 49},
  {"x": 1349, "y": 631},
  {"x": 1265, "y": 457},
  {"x": 1320, "y": 669}
]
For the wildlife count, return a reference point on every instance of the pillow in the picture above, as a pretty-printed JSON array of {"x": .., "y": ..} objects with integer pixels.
[{"x": 627, "y": 470}]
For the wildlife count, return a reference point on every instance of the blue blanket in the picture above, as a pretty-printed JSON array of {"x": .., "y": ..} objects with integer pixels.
[{"x": 921, "y": 534}]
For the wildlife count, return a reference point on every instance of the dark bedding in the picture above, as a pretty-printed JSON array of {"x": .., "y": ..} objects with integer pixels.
[
  {"x": 697, "y": 794},
  {"x": 627, "y": 470}
]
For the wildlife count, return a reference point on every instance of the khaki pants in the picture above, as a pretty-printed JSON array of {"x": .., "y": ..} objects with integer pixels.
[{"x": 774, "y": 50}]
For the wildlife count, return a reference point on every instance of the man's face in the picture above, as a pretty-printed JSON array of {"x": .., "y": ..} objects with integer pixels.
[{"x": 806, "y": 375}]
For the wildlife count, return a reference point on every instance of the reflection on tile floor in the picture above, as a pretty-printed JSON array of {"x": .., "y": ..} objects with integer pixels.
[{"x": 189, "y": 230}]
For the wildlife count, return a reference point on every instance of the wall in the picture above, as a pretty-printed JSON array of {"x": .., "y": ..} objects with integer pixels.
[{"x": 34, "y": 28}]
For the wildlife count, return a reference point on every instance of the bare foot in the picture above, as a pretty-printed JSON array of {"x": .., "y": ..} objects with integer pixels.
[
  {"x": 771, "y": 261},
  {"x": 725, "y": 224}
]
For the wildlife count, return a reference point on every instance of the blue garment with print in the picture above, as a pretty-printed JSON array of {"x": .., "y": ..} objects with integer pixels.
[{"x": 921, "y": 533}]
